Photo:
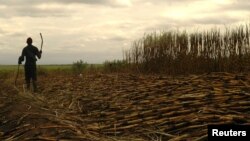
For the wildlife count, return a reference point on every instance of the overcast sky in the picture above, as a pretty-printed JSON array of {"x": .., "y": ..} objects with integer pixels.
[{"x": 98, "y": 30}]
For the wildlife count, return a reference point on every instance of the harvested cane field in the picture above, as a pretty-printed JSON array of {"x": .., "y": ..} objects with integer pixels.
[{"x": 123, "y": 107}]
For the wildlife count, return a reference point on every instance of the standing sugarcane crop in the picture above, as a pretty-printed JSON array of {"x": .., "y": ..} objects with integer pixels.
[{"x": 30, "y": 53}]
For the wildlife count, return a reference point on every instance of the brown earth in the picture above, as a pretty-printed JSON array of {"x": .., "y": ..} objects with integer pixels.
[{"x": 123, "y": 107}]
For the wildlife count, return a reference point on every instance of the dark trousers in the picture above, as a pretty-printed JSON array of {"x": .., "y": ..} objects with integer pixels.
[{"x": 30, "y": 74}]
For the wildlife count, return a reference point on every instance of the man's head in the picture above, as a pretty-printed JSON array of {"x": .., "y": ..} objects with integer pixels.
[{"x": 29, "y": 41}]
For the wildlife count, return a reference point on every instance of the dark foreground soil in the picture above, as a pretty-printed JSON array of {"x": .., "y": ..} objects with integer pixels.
[{"x": 123, "y": 107}]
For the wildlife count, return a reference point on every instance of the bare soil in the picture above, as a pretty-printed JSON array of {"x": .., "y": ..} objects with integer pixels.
[{"x": 123, "y": 106}]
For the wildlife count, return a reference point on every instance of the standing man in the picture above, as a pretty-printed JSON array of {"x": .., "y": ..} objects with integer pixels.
[{"x": 30, "y": 53}]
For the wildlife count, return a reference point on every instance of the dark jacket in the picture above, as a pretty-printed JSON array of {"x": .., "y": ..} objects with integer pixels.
[{"x": 30, "y": 53}]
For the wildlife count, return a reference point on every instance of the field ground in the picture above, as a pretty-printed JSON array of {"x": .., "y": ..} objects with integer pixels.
[
  {"x": 123, "y": 106},
  {"x": 48, "y": 67},
  {"x": 65, "y": 67}
]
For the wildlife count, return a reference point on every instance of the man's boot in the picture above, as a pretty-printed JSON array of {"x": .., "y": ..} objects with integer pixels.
[
  {"x": 34, "y": 86},
  {"x": 27, "y": 85}
]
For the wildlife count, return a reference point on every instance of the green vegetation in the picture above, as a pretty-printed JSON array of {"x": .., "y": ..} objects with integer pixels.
[
  {"x": 115, "y": 66},
  {"x": 41, "y": 69},
  {"x": 75, "y": 68},
  {"x": 47, "y": 67},
  {"x": 79, "y": 66},
  {"x": 180, "y": 52},
  {"x": 8, "y": 67}
]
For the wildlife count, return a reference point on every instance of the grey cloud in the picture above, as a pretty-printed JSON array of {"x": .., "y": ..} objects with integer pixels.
[
  {"x": 236, "y": 5},
  {"x": 126, "y": 25},
  {"x": 240, "y": 5},
  {"x": 32, "y": 11},
  {"x": 2, "y": 31},
  {"x": 172, "y": 23},
  {"x": 34, "y": 2},
  {"x": 17, "y": 34},
  {"x": 206, "y": 20},
  {"x": 117, "y": 38},
  {"x": 36, "y": 12},
  {"x": 215, "y": 20},
  {"x": 166, "y": 1},
  {"x": 29, "y": 8},
  {"x": 162, "y": 26},
  {"x": 85, "y": 1}
]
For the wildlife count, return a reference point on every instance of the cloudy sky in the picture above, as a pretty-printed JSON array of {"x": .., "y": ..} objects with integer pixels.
[{"x": 98, "y": 30}]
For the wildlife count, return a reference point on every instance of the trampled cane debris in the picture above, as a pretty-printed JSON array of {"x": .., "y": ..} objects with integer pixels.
[{"x": 124, "y": 107}]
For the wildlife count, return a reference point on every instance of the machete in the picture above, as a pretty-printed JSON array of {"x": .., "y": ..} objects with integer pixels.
[{"x": 41, "y": 42}]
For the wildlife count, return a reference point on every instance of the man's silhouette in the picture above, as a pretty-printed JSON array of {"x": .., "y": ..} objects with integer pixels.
[{"x": 30, "y": 53}]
